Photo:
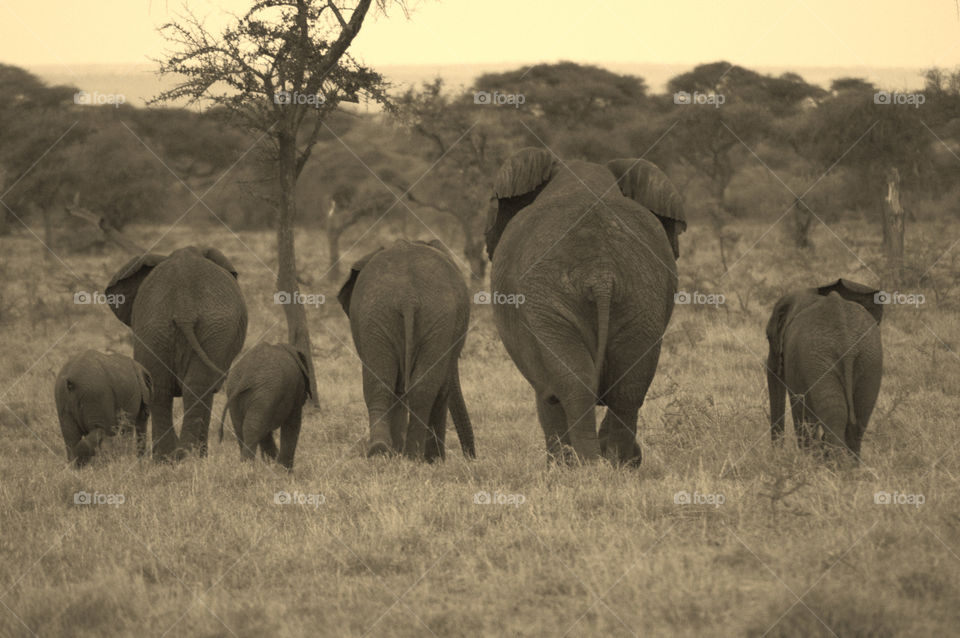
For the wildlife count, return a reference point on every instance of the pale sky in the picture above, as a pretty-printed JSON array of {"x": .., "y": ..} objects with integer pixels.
[{"x": 795, "y": 33}]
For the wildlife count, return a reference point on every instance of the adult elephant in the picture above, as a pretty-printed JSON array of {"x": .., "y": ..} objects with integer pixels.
[
  {"x": 189, "y": 321},
  {"x": 590, "y": 251},
  {"x": 409, "y": 312},
  {"x": 825, "y": 350}
]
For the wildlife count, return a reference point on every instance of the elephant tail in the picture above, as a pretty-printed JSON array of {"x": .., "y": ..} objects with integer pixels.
[
  {"x": 186, "y": 327},
  {"x": 407, "y": 313},
  {"x": 602, "y": 292},
  {"x": 461, "y": 418},
  {"x": 223, "y": 416}
]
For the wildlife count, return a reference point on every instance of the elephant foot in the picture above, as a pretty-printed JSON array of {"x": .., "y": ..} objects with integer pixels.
[{"x": 379, "y": 448}]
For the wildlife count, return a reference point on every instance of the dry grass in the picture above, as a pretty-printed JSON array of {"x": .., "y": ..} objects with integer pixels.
[{"x": 401, "y": 549}]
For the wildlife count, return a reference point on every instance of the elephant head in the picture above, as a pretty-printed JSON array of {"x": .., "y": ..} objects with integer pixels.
[
  {"x": 127, "y": 280},
  {"x": 786, "y": 308},
  {"x": 525, "y": 174},
  {"x": 346, "y": 291}
]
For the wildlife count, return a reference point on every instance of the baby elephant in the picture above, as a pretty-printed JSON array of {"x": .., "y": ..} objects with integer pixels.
[
  {"x": 825, "y": 350},
  {"x": 409, "y": 312},
  {"x": 266, "y": 389},
  {"x": 95, "y": 393}
]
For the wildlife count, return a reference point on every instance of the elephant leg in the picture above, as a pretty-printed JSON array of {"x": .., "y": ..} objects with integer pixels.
[
  {"x": 866, "y": 389},
  {"x": 436, "y": 437},
  {"x": 554, "y": 423},
  {"x": 164, "y": 436},
  {"x": 289, "y": 435},
  {"x": 618, "y": 431},
  {"x": 253, "y": 432},
  {"x": 829, "y": 410},
  {"x": 579, "y": 409},
  {"x": 196, "y": 420},
  {"x": 801, "y": 426},
  {"x": 268, "y": 447},
  {"x": 140, "y": 427},
  {"x": 386, "y": 413},
  {"x": 420, "y": 406}
]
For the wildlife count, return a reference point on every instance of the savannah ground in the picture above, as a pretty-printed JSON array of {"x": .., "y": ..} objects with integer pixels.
[{"x": 387, "y": 547}]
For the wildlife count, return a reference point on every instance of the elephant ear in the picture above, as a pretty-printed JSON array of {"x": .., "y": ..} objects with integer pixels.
[
  {"x": 302, "y": 363},
  {"x": 346, "y": 291},
  {"x": 857, "y": 293},
  {"x": 646, "y": 184},
  {"x": 126, "y": 282},
  {"x": 521, "y": 178},
  {"x": 220, "y": 259}
]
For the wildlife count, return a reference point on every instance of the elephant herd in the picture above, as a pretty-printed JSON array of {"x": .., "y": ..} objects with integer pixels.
[{"x": 590, "y": 250}]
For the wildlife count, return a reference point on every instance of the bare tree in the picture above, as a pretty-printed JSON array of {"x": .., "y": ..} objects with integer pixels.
[{"x": 278, "y": 70}]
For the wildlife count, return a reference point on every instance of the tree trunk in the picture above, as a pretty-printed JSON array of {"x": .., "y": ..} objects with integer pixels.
[
  {"x": 48, "y": 234},
  {"x": 893, "y": 227},
  {"x": 298, "y": 332},
  {"x": 473, "y": 250},
  {"x": 333, "y": 250}
]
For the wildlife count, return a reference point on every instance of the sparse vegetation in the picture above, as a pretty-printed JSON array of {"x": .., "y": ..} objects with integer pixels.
[{"x": 400, "y": 549}]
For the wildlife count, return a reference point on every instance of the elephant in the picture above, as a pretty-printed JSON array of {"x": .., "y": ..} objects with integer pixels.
[
  {"x": 825, "y": 350},
  {"x": 189, "y": 321},
  {"x": 266, "y": 390},
  {"x": 409, "y": 311},
  {"x": 591, "y": 250},
  {"x": 95, "y": 393}
]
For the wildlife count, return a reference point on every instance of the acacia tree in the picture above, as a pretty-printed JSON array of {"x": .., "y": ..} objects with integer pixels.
[
  {"x": 464, "y": 144},
  {"x": 278, "y": 70}
]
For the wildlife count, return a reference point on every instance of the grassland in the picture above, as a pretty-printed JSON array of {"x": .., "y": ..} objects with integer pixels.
[{"x": 401, "y": 549}]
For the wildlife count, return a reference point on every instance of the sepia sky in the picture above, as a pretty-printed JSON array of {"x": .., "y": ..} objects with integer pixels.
[{"x": 794, "y": 33}]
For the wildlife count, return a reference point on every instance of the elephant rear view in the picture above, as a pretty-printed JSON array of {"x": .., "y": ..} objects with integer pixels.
[
  {"x": 591, "y": 250},
  {"x": 94, "y": 389},
  {"x": 189, "y": 321},
  {"x": 266, "y": 390},
  {"x": 409, "y": 311},
  {"x": 826, "y": 352}
]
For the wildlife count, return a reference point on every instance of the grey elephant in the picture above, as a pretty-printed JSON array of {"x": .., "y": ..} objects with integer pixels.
[
  {"x": 189, "y": 321},
  {"x": 591, "y": 250},
  {"x": 409, "y": 312},
  {"x": 266, "y": 389},
  {"x": 95, "y": 394},
  {"x": 825, "y": 350}
]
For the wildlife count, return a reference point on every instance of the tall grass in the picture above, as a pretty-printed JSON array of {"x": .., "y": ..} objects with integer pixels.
[{"x": 771, "y": 543}]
